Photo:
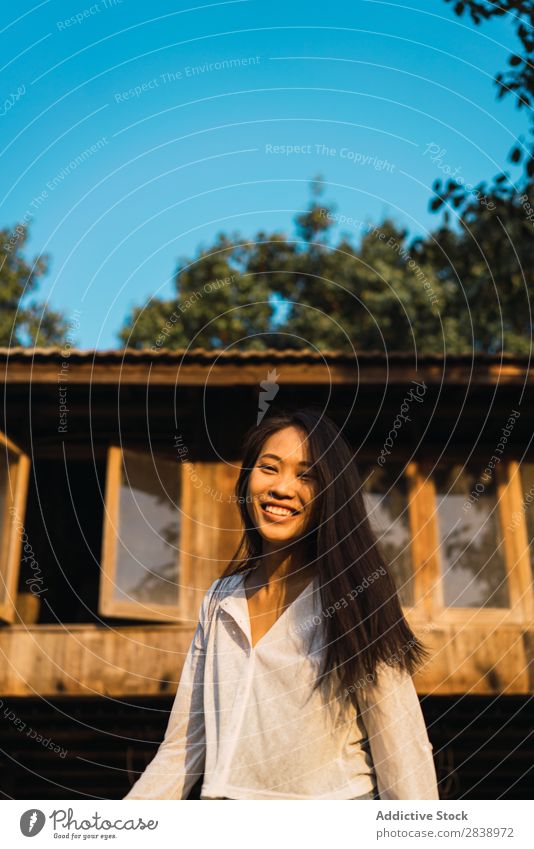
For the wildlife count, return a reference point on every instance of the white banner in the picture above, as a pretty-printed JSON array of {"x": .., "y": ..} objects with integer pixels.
[{"x": 278, "y": 825}]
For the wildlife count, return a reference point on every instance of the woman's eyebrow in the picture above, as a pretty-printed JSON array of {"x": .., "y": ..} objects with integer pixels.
[{"x": 276, "y": 457}]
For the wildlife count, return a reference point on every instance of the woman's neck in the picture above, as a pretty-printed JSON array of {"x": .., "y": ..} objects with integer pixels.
[{"x": 285, "y": 566}]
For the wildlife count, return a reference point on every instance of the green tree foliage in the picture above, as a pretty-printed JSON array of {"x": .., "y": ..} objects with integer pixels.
[
  {"x": 493, "y": 255},
  {"x": 490, "y": 265},
  {"x": 24, "y": 320},
  {"x": 384, "y": 293}
]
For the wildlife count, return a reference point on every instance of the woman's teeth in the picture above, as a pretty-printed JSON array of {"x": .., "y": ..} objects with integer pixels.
[{"x": 278, "y": 511}]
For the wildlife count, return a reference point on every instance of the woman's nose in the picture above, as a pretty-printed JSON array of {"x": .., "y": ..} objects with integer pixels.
[{"x": 284, "y": 487}]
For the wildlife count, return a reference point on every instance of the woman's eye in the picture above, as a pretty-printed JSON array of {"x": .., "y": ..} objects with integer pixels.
[{"x": 305, "y": 475}]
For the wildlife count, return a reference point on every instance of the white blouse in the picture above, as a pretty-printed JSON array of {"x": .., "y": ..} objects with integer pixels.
[{"x": 246, "y": 718}]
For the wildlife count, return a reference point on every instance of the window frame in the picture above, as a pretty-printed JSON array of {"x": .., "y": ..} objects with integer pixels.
[
  {"x": 515, "y": 553},
  {"x": 107, "y": 604},
  {"x": 11, "y": 541},
  {"x": 522, "y": 586},
  {"x": 417, "y": 611}
]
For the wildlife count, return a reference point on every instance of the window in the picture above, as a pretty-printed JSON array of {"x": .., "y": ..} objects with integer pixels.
[
  {"x": 527, "y": 506},
  {"x": 14, "y": 473},
  {"x": 386, "y": 499},
  {"x": 471, "y": 541},
  {"x": 141, "y": 543}
]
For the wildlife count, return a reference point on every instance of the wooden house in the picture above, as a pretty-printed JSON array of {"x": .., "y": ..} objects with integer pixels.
[{"x": 117, "y": 513}]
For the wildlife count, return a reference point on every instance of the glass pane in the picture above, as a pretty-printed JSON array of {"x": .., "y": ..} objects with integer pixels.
[
  {"x": 471, "y": 542},
  {"x": 527, "y": 504},
  {"x": 149, "y": 530},
  {"x": 386, "y": 499}
]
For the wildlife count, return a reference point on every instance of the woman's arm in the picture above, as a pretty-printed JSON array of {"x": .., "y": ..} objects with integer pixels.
[
  {"x": 400, "y": 748},
  {"x": 179, "y": 761}
]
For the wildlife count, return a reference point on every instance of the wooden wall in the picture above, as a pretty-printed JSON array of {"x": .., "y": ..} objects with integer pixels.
[{"x": 85, "y": 660}]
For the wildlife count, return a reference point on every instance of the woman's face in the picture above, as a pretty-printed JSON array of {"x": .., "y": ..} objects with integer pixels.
[{"x": 281, "y": 487}]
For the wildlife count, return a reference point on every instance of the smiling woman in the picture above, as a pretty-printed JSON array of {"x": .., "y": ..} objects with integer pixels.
[
  {"x": 280, "y": 500},
  {"x": 297, "y": 686}
]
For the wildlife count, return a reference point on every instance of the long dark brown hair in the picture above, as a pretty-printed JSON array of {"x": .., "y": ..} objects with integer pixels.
[{"x": 370, "y": 627}]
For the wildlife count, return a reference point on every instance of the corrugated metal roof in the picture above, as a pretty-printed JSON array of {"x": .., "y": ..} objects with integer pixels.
[{"x": 205, "y": 355}]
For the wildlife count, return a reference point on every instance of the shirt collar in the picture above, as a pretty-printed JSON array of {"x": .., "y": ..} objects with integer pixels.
[{"x": 235, "y": 604}]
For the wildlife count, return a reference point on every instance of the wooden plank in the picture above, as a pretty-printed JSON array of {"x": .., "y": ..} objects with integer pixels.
[
  {"x": 110, "y": 530},
  {"x": 422, "y": 502},
  {"x": 516, "y": 545},
  {"x": 486, "y": 660},
  {"x": 47, "y": 661},
  {"x": 434, "y": 674},
  {"x": 18, "y": 472},
  {"x": 210, "y": 529}
]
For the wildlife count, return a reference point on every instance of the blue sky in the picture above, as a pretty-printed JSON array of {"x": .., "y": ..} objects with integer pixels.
[{"x": 133, "y": 132}]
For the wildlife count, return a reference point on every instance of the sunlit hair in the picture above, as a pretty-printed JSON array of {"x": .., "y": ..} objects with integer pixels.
[{"x": 343, "y": 551}]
